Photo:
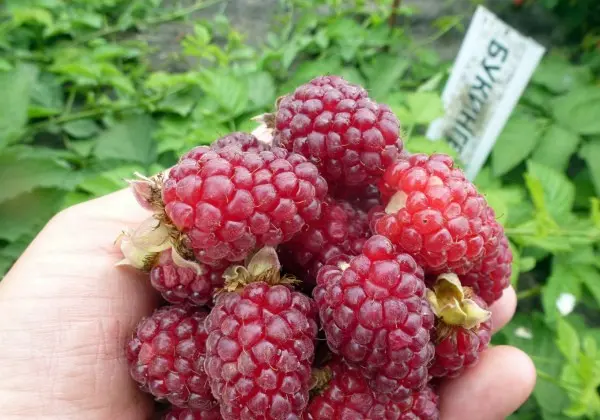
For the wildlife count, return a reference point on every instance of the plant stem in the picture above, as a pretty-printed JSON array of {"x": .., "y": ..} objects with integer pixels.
[
  {"x": 168, "y": 17},
  {"x": 534, "y": 291},
  {"x": 394, "y": 13}
]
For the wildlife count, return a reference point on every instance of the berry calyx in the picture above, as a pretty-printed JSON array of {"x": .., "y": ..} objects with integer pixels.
[{"x": 463, "y": 326}]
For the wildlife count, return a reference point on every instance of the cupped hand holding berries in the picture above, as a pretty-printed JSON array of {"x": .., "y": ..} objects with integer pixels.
[
  {"x": 407, "y": 296},
  {"x": 66, "y": 313}
]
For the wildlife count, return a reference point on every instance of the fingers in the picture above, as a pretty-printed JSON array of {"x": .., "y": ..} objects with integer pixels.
[
  {"x": 493, "y": 389},
  {"x": 504, "y": 309}
]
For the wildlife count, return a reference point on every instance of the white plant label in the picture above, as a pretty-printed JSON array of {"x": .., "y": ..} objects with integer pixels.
[{"x": 493, "y": 67}]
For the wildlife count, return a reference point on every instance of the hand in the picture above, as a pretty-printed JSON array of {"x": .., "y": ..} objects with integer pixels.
[{"x": 66, "y": 313}]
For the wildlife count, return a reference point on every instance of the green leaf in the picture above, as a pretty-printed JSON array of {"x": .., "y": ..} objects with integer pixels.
[
  {"x": 591, "y": 278},
  {"x": 109, "y": 181},
  {"x": 46, "y": 97},
  {"x": 352, "y": 75},
  {"x": 229, "y": 92},
  {"x": 561, "y": 286},
  {"x": 518, "y": 139},
  {"x": 129, "y": 139},
  {"x": 420, "y": 144},
  {"x": 12, "y": 251},
  {"x": 28, "y": 212},
  {"x": 383, "y": 74},
  {"x": 557, "y": 191},
  {"x": 557, "y": 75},
  {"x": 529, "y": 333},
  {"x": 180, "y": 103},
  {"x": 590, "y": 152},
  {"x": 261, "y": 89},
  {"x": 16, "y": 86},
  {"x": 578, "y": 110},
  {"x": 21, "y": 173},
  {"x": 538, "y": 97},
  {"x": 556, "y": 147},
  {"x": 516, "y": 265},
  {"x": 567, "y": 341},
  {"x": 81, "y": 129},
  {"x": 424, "y": 106}
]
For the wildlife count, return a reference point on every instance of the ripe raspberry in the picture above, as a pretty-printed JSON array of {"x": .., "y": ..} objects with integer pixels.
[
  {"x": 179, "y": 284},
  {"x": 435, "y": 214},
  {"x": 463, "y": 329},
  {"x": 246, "y": 142},
  {"x": 260, "y": 348},
  {"x": 166, "y": 356},
  {"x": 491, "y": 276},
  {"x": 227, "y": 203},
  {"x": 341, "y": 230},
  {"x": 374, "y": 315},
  {"x": 189, "y": 414},
  {"x": 363, "y": 198},
  {"x": 348, "y": 136},
  {"x": 348, "y": 396}
]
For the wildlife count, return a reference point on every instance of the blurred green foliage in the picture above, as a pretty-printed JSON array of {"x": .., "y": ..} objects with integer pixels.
[{"x": 84, "y": 106}]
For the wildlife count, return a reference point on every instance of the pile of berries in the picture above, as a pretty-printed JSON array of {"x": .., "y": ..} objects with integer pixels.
[{"x": 322, "y": 237}]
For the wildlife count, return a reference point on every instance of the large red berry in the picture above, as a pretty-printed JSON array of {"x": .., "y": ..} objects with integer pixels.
[
  {"x": 228, "y": 203},
  {"x": 491, "y": 276},
  {"x": 245, "y": 141},
  {"x": 348, "y": 136},
  {"x": 260, "y": 351},
  {"x": 374, "y": 314},
  {"x": 189, "y": 414},
  {"x": 435, "y": 214},
  {"x": 179, "y": 284},
  {"x": 348, "y": 396},
  {"x": 341, "y": 230},
  {"x": 463, "y": 327},
  {"x": 166, "y": 356}
]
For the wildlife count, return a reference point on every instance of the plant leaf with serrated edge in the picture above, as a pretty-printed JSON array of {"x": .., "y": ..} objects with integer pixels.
[
  {"x": 562, "y": 280},
  {"x": 578, "y": 110},
  {"x": 231, "y": 93},
  {"x": 516, "y": 141},
  {"x": 541, "y": 347},
  {"x": 129, "y": 139},
  {"x": 567, "y": 341},
  {"x": 556, "y": 147},
  {"x": 27, "y": 213},
  {"x": 383, "y": 74},
  {"x": 590, "y": 152},
  {"x": 21, "y": 173},
  {"x": 557, "y": 191},
  {"x": 16, "y": 86},
  {"x": 558, "y": 75},
  {"x": 425, "y": 106},
  {"x": 261, "y": 89}
]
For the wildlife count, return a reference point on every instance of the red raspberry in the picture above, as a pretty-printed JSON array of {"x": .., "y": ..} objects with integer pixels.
[
  {"x": 341, "y": 230},
  {"x": 166, "y": 356},
  {"x": 246, "y": 142},
  {"x": 348, "y": 396},
  {"x": 188, "y": 414},
  {"x": 435, "y": 214},
  {"x": 260, "y": 351},
  {"x": 227, "y": 203},
  {"x": 179, "y": 284},
  {"x": 374, "y": 315},
  {"x": 364, "y": 198},
  {"x": 348, "y": 136},
  {"x": 458, "y": 345},
  {"x": 491, "y": 276}
]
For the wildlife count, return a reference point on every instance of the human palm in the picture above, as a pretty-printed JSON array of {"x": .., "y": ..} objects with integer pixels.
[{"x": 66, "y": 312}]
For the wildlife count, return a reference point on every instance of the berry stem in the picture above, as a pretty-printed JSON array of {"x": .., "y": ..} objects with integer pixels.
[{"x": 394, "y": 13}]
